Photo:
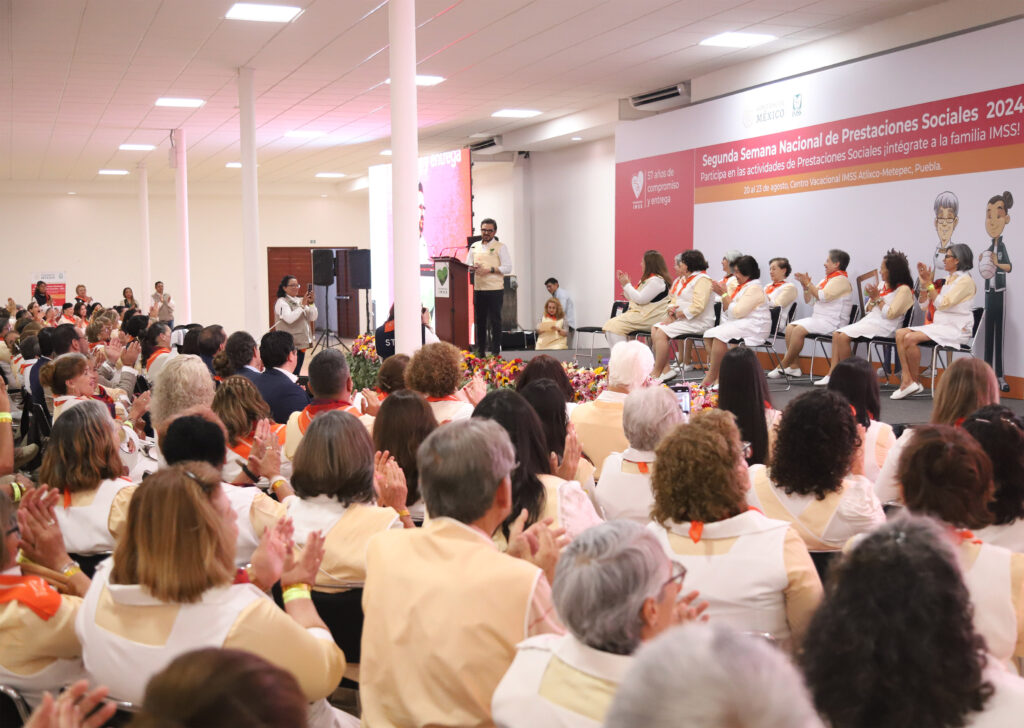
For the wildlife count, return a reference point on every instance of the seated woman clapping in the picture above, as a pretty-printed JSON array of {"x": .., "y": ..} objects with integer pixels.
[
  {"x": 169, "y": 589},
  {"x": 402, "y": 424},
  {"x": 690, "y": 310},
  {"x": 953, "y": 320},
  {"x": 240, "y": 407},
  {"x": 945, "y": 474},
  {"x": 830, "y": 301},
  {"x": 884, "y": 310},
  {"x": 745, "y": 315},
  {"x": 551, "y": 331},
  {"x": 893, "y": 644},
  {"x": 614, "y": 589},
  {"x": 754, "y": 571},
  {"x": 815, "y": 481},
  {"x": 647, "y": 302},
  {"x": 82, "y": 462},
  {"x": 536, "y": 488}
]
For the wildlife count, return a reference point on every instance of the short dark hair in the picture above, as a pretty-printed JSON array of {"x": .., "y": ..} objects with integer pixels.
[
  {"x": 192, "y": 437},
  {"x": 210, "y": 339},
  {"x": 391, "y": 375},
  {"x": 945, "y": 474},
  {"x": 747, "y": 265},
  {"x": 783, "y": 263},
  {"x": 30, "y": 346},
  {"x": 66, "y": 306},
  {"x": 839, "y": 256},
  {"x": 328, "y": 373},
  {"x": 489, "y": 221},
  {"x": 135, "y": 326},
  {"x": 239, "y": 350},
  {"x": 45, "y": 338},
  {"x": 63, "y": 337},
  {"x": 694, "y": 260},
  {"x": 855, "y": 379},
  {"x": 275, "y": 347},
  {"x": 551, "y": 280}
]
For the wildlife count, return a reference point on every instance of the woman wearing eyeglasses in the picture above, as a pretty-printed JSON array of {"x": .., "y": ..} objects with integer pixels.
[
  {"x": 295, "y": 314},
  {"x": 816, "y": 479},
  {"x": 953, "y": 321},
  {"x": 754, "y": 571}
]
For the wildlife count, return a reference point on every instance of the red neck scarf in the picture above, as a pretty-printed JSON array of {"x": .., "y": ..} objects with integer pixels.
[
  {"x": 773, "y": 286},
  {"x": 318, "y": 406},
  {"x": 830, "y": 276},
  {"x": 153, "y": 357},
  {"x": 736, "y": 293},
  {"x": 449, "y": 398},
  {"x": 33, "y": 592}
]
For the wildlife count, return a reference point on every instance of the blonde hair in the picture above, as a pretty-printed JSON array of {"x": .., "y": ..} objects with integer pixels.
[
  {"x": 81, "y": 451},
  {"x": 176, "y": 543},
  {"x": 184, "y": 382},
  {"x": 967, "y": 385},
  {"x": 559, "y": 311},
  {"x": 239, "y": 406}
]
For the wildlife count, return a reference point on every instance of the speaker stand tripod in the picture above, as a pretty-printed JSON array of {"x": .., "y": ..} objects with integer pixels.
[{"x": 326, "y": 335}]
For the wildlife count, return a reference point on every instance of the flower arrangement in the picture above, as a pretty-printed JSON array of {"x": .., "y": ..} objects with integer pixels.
[{"x": 701, "y": 398}]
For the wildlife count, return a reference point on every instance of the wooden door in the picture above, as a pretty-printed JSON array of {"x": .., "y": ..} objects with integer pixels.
[
  {"x": 347, "y": 297},
  {"x": 281, "y": 261}
]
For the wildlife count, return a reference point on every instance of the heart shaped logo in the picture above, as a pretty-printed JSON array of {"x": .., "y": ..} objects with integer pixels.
[
  {"x": 442, "y": 275},
  {"x": 638, "y": 183}
]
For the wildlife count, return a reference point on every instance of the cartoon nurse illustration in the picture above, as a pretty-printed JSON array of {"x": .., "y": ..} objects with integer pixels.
[{"x": 994, "y": 264}]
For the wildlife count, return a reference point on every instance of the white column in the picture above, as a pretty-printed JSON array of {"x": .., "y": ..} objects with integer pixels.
[
  {"x": 145, "y": 291},
  {"x": 183, "y": 296},
  {"x": 404, "y": 174},
  {"x": 250, "y": 202}
]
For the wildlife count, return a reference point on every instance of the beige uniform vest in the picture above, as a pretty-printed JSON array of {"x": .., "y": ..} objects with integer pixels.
[
  {"x": 444, "y": 612},
  {"x": 599, "y": 427},
  {"x": 85, "y": 525},
  {"x": 488, "y": 256}
]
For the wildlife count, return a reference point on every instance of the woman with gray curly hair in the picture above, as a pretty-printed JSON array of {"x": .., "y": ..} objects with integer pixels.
[
  {"x": 184, "y": 382},
  {"x": 614, "y": 588}
]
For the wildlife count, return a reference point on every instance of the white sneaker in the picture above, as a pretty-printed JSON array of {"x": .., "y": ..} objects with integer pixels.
[
  {"x": 668, "y": 376},
  {"x": 822, "y": 382},
  {"x": 775, "y": 373},
  {"x": 687, "y": 368},
  {"x": 914, "y": 388},
  {"x": 794, "y": 372}
]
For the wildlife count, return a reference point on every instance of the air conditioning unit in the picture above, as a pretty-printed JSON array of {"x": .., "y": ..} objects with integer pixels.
[
  {"x": 663, "y": 99},
  {"x": 487, "y": 146}
]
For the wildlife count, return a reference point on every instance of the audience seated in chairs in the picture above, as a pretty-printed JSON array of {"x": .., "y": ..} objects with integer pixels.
[
  {"x": 893, "y": 643},
  {"x": 184, "y": 382},
  {"x": 599, "y": 423},
  {"x": 624, "y": 490},
  {"x": 176, "y": 563},
  {"x": 548, "y": 401},
  {"x": 390, "y": 378},
  {"x": 815, "y": 480},
  {"x": 240, "y": 356},
  {"x": 946, "y": 475},
  {"x": 614, "y": 589},
  {"x": 709, "y": 676},
  {"x": 544, "y": 490},
  {"x": 1001, "y": 435},
  {"x": 435, "y": 371},
  {"x": 422, "y": 637},
  {"x": 331, "y": 384},
  {"x": 755, "y": 572},
  {"x": 245, "y": 415}
]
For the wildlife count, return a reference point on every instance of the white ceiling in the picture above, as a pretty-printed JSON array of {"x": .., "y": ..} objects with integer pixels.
[{"x": 79, "y": 77}]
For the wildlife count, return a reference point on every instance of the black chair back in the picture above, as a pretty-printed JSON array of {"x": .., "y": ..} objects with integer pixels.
[
  {"x": 718, "y": 312},
  {"x": 619, "y": 307}
]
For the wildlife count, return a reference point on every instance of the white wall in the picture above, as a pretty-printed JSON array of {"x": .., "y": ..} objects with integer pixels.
[
  {"x": 571, "y": 195},
  {"x": 94, "y": 237}
]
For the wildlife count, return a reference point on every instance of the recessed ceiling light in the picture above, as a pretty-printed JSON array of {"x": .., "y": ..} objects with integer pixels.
[
  {"x": 263, "y": 13},
  {"x": 577, "y": 139},
  {"x": 113, "y": 171},
  {"x": 424, "y": 80},
  {"x": 179, "y": 102},
  {"x": 304, "y": 134},
  {"x": 737, "y": 40},
  {"x": 385, "y": 152},
  {"x": 137, "y": 147},
  {"x": 516, "y": 113},
  {"x": 72, "y": 193},
  {"x": 324, "y": 195},
  {"x": 330, "y": 175},
  {"x": 233, "y": 165},
  {"x": 478, "y": 135}
]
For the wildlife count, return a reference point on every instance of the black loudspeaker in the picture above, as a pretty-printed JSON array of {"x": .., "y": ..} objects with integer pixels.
[
  {"x": 359, "y": 269},
  {"x": 323, "y": 267}
]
